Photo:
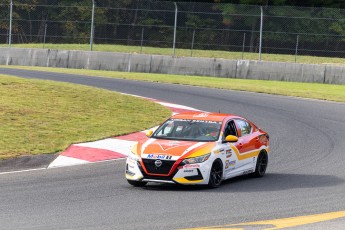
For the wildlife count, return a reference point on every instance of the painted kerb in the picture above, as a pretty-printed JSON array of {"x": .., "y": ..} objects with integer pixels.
[{"x": 244, "y": 69}]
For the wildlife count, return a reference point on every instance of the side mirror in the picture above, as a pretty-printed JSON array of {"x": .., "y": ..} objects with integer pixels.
[
  {"x": 149, "y": 133},
  {"x": 231, "y": 138}
]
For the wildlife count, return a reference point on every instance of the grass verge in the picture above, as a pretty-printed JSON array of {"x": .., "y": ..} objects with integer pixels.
[
  {"x": 39, "y": 117},
  {"x": 186, "y": 52},
  {"x": 296, "y": 89}
]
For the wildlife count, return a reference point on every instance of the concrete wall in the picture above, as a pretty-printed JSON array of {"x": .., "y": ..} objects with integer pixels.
[{"x": 243, "y": 69}]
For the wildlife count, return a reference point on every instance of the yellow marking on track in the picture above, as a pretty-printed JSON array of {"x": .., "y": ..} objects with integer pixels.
[{"x": 279, "y": 223}]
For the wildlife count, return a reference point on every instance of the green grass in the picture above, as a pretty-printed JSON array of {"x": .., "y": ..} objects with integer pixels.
[
  {"x": 186, "y": 52},
  {"x": 40, "y": 117},
  {"x": 296, "y": 89}
]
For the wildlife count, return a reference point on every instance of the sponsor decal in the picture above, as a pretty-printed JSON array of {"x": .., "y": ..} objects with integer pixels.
[
  {"x": 161, "y": 157},
  {"x": 228, "y": 153},
  {"x": 227, "y": 164},
  {"x": 154, "y": 156},
  {"x": 189, "y": 166},
  {"x": 195, "y": 166},
  {"x": 188, "y": 170},
  {"x": 218, "y": 151},
  {"x": 192, "y": 166},
  {"x": 199, "y": 121},
  {"x": 232, "y": 163}
]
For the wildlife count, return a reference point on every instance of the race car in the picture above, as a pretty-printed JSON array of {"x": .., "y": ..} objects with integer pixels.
[{"x": 198, "y": 148}]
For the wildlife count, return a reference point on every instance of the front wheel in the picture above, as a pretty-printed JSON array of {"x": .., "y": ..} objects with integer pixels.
[
  {"x": 261, "y": 165},
  {"x": 137, "y": 183},
  {"x": 216, "y": 175}
]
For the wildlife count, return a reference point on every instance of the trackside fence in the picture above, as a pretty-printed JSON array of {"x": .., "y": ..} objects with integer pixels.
[{"x": 139, "y": 24}]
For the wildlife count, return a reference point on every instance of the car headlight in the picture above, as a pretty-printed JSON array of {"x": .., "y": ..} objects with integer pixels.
[
  {"x": 133, "y": 156},
  {"x": 195, "y": 160}
]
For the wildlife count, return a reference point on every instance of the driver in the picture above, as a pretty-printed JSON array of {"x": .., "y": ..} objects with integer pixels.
[{"x": 211, "y": 130}]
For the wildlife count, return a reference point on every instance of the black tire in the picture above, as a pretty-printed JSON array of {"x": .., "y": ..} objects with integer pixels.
[
  {"x": 216, "y": 174},
  {"x": 137, "y": 183},
  {"x": 261, "y": 165}
]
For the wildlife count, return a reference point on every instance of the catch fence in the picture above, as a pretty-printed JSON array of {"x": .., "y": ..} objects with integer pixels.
[{"x": 138, "y": 25}]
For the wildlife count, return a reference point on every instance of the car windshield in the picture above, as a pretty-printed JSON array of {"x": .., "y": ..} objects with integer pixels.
[{"x": 191, "y": 130}]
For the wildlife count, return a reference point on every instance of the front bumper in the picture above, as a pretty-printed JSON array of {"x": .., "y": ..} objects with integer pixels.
[{"x": 190, "y": 174}]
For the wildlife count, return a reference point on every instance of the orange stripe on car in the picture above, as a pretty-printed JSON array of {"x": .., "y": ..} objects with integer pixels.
[{"x": 201, "y": 150}]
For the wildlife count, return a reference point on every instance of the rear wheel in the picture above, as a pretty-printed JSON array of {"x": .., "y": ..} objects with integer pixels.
[
  {"x": 261, "y": 165},
  {"x": 137, "y": 183},
  {"x": 216, "y": 175}
]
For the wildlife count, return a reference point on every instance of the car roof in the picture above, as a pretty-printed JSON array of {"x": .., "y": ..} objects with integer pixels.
[{"x": 199, "y": 115}]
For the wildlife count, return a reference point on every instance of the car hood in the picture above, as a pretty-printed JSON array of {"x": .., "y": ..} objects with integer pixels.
[{"x": 172, "y": 149}]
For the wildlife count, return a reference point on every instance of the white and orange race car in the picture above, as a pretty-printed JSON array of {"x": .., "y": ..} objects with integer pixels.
[{"x": 198, "y": 148}]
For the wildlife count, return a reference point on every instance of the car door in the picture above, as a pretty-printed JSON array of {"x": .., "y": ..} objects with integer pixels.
[
  {"x": 231, "y": 162},
  {"x": 247, "y": 143}
]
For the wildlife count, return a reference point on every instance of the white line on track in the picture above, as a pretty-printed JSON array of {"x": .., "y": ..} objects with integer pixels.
[
  {"x": 21, "y": 171},
  {"x": 40, "y": 169}
]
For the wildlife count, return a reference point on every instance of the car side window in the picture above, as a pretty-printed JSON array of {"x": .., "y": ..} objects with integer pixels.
[
  {"x": 244, "y": 126},
  {"x": 230, "y": 129}
]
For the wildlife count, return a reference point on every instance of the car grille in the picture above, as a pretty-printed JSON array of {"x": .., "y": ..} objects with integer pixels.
[{"x": 151, "y": 167}]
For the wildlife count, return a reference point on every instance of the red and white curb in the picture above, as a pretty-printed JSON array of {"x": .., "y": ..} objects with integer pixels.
[{"x": 109, "y": 148}]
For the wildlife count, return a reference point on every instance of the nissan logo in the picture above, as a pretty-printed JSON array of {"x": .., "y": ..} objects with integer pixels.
[{"x": 158, "y": 163}]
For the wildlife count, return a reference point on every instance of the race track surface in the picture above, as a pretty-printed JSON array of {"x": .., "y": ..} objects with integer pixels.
[{"x": 306, "y": 172}]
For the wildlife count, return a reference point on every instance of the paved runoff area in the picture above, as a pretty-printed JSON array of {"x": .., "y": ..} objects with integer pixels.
[{"x": 110, "y": 148}]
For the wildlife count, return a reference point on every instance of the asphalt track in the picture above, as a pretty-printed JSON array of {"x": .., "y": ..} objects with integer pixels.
[{"x": 306, "y": 172}]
